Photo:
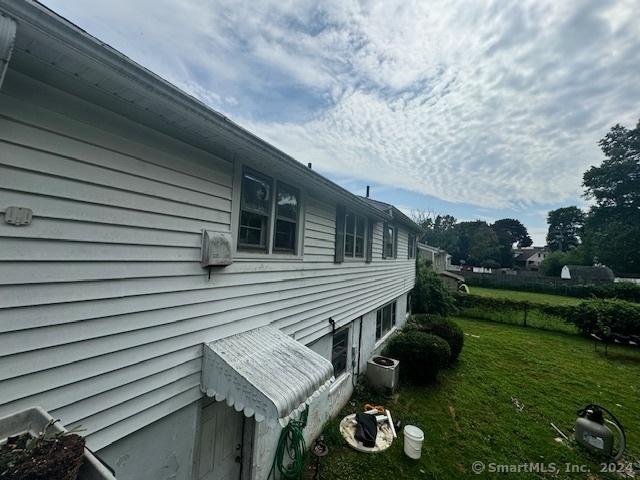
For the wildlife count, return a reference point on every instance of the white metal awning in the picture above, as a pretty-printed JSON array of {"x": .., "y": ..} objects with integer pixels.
[{"x": 264, "y": 373}]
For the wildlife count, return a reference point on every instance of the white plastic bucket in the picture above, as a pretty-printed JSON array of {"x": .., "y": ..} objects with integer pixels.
[{"x": 413, "y": 438}]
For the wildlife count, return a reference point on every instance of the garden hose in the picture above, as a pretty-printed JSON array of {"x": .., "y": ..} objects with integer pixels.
[{"x": 291, "y": 450}]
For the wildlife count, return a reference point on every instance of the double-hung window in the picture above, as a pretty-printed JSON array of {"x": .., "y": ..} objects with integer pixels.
[
  {"x": 339, "y": 351},
  {"x": 412, "y": 246},
  {"x": 255, "y": 211},
  {"x": 389, "y": 238},
  {"x": 287, "y": 200},
  {"x": 385, "y": 319},
  {"x": 354, "y": 232},
  {"x": 268, "y": 222}
]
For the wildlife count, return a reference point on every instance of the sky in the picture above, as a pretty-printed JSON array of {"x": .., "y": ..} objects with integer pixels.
[{"x": 479, "y": 109}]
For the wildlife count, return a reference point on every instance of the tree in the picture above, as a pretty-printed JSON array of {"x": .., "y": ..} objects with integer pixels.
[
  {"x": 509, "y": 231},
  {"x": 476, "y": 243},
  {"x": 612, "y": 227},
  {"x": 439, "y": 231},
  {"x": 565, "y": 225},
  {"x": 553, "y": 263}
]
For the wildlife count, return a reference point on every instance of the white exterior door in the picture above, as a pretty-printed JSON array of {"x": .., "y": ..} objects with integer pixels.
[{"x": 220, "y": 442}]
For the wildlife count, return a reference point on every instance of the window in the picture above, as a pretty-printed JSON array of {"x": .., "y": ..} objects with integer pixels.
[
  {"x": 354, "y": 231},
  {"x": 339, "y": 351},
  {"x": 409, "y": 302},
  {"x": 255, "y": 209},
  {"x": 385, "y": 320},
  {"x": 389, "y": 239},
  {"x": 412, "y": 245},
  {"x": 267, "y": 223},
  {"x": 286, "y": 218}
]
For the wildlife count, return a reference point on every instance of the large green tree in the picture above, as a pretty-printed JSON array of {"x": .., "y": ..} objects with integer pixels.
[
  {"x": 476, "y": 244},
  {"x": 510, "y": 231},
  {"x": 612, "y": 227},
  {"x": 565, "y": 225},
  {"x": 439, "y": 230}
]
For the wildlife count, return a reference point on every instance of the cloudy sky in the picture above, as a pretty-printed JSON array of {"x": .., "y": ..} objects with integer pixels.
[{"x": 481, "y": 109}]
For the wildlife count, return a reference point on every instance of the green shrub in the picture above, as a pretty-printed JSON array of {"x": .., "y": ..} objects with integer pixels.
[
  {"x": 605, "y": 317},
  {"x": 421, "y": 355},
  {"x": 429, "y": 293},
  {"x": 444, "y": 328}
]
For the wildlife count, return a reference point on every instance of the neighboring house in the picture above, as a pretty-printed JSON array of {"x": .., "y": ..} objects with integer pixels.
[
  {"x": 441, "y": 262},
  {"x": 586, "y": 274},
  {"x": 529, "y": 258},
  {"x": 108, "y": 319},
  {"x": 440, "y": 259}
]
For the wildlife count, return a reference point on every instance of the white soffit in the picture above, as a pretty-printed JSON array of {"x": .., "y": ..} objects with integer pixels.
[{"x": 264, "y": 373}]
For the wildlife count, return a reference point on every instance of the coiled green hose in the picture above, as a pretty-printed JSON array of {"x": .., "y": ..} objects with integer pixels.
[{"x": 291, "y": 450}]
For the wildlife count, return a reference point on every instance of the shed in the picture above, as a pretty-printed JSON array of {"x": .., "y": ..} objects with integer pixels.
[{"x": 587, "y": 274}]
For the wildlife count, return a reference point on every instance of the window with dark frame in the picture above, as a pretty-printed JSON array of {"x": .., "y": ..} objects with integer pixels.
[
  {"x": 409, "y": 302},
  {"x": 268, "y": 224},
  {"x": 255, "y": 211},
  {"x": 389, "y": 237},
  {"x": 286, "y": 223},
  {"x": 339, "y": 351},
  {"x": 385, "y": 319},
  {"x": 412, "y": 245},
  {"x": 354, "y": 232}
]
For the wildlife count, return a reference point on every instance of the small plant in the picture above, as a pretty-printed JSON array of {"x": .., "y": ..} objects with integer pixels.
[
  {"x": 52, "y": 454},
  {"x": 444, "y": 328},
  {"x": 421, "y": 354}
]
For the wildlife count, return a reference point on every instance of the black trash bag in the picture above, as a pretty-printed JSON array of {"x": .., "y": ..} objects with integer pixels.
[{"x": 367, "y": 429}]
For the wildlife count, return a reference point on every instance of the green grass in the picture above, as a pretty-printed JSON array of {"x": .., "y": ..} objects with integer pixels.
[
  {"x": 530, "y": 296},
  {"x": 470, "y": 413}
]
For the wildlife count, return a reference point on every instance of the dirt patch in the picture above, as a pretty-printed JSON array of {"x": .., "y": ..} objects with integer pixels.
[
  {"x": 59, "y": 458},
  {"x": 452, "y": 412}
]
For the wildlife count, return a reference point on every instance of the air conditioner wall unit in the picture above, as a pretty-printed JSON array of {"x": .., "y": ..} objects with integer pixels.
[{"x": 383, "y": 373}]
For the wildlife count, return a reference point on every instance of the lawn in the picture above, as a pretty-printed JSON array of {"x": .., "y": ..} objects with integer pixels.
[
  {"x": 530, "y": 296},
  {"x": 472, "y": 414}
]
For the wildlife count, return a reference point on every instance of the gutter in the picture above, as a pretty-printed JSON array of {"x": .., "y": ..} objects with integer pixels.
[{"x": 8, "y": 29}]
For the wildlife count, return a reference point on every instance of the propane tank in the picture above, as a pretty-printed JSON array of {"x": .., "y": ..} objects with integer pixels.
[{"x": 592, "y": 433}]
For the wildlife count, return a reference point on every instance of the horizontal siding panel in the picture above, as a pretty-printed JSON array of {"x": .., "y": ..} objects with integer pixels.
[
  {"x": 69, "y": 211},
  {"x": 37, "y": 138},
  {"x": 57, "y": 395},
  {"x": 33, "y": 250},
  {"x": 60, "y": 334},
  {"x": 28, "y": 182},
  {"x": 43, "y": 162}
]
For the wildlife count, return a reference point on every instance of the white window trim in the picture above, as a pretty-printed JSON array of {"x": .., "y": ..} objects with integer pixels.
[
  {"x": 270, "y": 255},
  {"x": 386, "y": 336}
]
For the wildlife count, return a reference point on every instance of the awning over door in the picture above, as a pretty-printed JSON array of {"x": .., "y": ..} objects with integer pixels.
[{"x": 264, "y": 373}]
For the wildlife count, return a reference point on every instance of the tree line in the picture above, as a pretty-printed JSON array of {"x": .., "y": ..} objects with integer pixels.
[{"x": 607, "y": 233}]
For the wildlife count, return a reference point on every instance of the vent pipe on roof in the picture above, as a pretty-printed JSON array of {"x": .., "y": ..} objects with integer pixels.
[
  {"x": 7, "y": 40},
  {"x": 309, "y": 164},
  {"x": 367, "y": 191}
]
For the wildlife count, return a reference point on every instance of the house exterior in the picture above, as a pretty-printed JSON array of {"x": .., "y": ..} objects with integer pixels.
[
  {"x": 529, "y": 258},
  {"x": 160, "y": 265},
  {"x": 439, "y": 259},
  {"x": 587, "y": 274}
]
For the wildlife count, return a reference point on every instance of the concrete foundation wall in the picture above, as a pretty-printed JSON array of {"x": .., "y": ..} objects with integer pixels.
[{"x": 162, "y": 450}]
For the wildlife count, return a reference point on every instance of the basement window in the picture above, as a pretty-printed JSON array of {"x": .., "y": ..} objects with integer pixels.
[
  {"x": 385, "y": 319},
  {"x": 339, "y": 351}
]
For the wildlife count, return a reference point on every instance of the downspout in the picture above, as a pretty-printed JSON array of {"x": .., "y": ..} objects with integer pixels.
[{"x": 7, "y": 41}]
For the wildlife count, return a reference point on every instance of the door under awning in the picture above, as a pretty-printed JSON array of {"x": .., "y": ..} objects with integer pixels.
[{"x": 264, "y": 373}]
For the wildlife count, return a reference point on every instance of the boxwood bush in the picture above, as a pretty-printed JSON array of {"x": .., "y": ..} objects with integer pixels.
[
  {"x": 442, "y": 327},
  {"x": 421, "y": 355}
]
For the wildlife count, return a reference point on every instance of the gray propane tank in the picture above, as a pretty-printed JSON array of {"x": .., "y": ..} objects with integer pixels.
[{"x": 592, "y": 433}]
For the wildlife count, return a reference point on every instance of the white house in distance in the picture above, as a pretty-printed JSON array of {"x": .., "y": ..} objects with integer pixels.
[
  {"x": 529, "y": 258},
  {"x": 163, "y": 270}
]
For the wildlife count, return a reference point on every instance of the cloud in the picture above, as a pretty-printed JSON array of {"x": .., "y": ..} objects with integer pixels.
[{"x": 497, "y": 104}]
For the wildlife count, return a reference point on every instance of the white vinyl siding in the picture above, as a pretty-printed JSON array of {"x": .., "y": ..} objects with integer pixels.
[{"x": 103, "y": 303}]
